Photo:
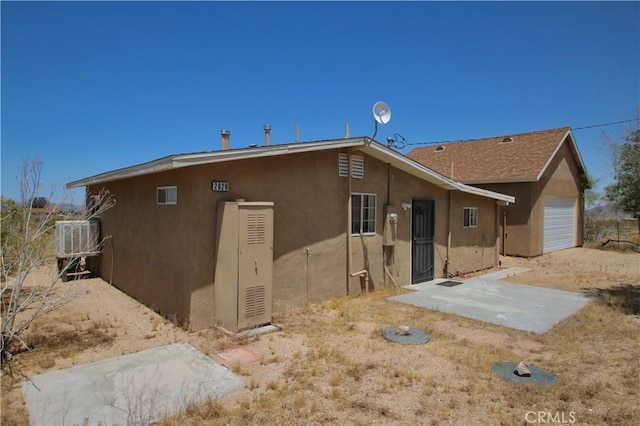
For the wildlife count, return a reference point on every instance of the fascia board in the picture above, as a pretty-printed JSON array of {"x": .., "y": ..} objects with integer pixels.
[
  {"x": 140, "y": 169},
  {"x": 486, "y": 193},
  {"x": 414, "y": 168},
  {"x": 509, "y": 180},
  {"x": 406, "y": 164},
  {"x": 185, "y": 160}
]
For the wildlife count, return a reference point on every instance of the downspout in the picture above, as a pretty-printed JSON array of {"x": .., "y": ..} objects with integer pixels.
[
  {"x": 446, "y": 260},
  {"x": 504, "y": 232},
  {"x": 349, "y": 219}
]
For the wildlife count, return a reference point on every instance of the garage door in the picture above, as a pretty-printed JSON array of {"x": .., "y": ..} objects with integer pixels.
[{"x": 559, "y": 224}]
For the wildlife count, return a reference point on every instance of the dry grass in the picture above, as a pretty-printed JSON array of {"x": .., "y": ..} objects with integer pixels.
[
  {"x": 331, "y": 365},
  {"x": 57, "y": 336}
]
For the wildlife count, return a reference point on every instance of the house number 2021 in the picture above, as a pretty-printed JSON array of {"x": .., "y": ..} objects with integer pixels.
[{"x": 220, "y": 186}]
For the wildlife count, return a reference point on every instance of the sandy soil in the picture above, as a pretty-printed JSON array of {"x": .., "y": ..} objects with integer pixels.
[{"x": 329, "y": 364}]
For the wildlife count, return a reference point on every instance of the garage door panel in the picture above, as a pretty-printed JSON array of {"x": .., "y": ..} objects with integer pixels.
[{"x": 559, "y": 224}]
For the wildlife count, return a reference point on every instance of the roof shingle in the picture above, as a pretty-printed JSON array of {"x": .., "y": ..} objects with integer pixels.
[{"x": 510, "y": 158}]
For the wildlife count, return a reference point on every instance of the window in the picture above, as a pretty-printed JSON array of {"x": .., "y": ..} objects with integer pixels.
[
  {"x": 94, "y": 205},
  {"x": 363, "y": 214},
  {"x": 357, "y": 166},
  {"x": 168, "y": 195},
  {"x": 470, "y": 217}
]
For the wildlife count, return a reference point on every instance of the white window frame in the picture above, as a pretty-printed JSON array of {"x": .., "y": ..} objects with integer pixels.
[
  {"x": 167, "y": 200},
  {"x": 364, "y": 226},
  {"x": 470, "y": 220}
]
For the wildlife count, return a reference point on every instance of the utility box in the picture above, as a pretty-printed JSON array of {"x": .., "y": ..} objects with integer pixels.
[
  {"x": 390, "y": 227},
  {"x": 77, "y": 238},
  {"x": 244, "y": 265}
]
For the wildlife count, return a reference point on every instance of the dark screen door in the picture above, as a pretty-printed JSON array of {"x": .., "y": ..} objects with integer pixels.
[{"x": 422, "y": 249}]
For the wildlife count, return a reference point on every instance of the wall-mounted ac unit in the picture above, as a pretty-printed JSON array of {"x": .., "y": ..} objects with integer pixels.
[{"x": 77, "y": 238}]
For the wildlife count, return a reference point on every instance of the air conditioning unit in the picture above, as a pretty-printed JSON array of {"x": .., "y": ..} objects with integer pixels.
[{"x": 77, "y": 238}]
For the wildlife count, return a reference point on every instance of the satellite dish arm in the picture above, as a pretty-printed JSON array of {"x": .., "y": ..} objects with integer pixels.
[{"x": 375, "y": 132}]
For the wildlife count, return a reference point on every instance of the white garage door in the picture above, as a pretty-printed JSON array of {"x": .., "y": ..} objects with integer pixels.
[{"x": 559, "y": 224}]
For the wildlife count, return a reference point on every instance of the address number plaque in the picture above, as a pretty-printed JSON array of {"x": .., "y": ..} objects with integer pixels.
[{"x": 220, "y": 186}]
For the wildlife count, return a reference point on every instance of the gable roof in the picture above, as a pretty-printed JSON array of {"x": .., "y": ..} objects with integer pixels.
[
  {"x": 363, "y": 144},
  {"x": 521, "y": 157}
]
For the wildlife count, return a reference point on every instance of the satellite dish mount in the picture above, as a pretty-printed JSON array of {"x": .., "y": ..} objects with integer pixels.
[{"x": 381, "y": 115}]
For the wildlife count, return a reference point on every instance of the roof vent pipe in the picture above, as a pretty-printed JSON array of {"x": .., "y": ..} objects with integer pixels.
[
  {"x": 225, "y": 139},
  {"x": 267, "y": 134},
  {"x": 346, "y": 130},
  {"x": 297, "y": 133}
]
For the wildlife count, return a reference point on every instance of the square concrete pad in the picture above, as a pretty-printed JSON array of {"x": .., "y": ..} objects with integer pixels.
[
  {"x": 237, "y": 355},
  {"x": 138, "y": 388},
  {"x": 523, "y": 307}
]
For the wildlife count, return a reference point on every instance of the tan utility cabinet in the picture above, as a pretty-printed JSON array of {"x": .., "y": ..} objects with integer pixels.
[{"x": 244, "y": 264}]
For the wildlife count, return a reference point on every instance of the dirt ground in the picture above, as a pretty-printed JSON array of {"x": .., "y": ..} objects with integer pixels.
[{"x": 329, "y": 363}]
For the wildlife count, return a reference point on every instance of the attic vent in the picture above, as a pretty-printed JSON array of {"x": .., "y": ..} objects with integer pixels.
[
  {"x": 508, "y": 139},
  {"x": 440, "y": 148},
  {"x": 357, "y": 166},
  {"x": 343, "y": 165}
]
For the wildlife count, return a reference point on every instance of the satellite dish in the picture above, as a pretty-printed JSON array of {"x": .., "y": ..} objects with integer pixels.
[{"x": 381, "y": 113}]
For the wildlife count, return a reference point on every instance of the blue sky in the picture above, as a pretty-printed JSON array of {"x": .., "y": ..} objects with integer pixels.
[{"x": 89, "y": 87}]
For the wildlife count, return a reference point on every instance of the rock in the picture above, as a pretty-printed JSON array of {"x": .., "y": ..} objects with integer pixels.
[
  {"x": 403, "y": 330},
  {"x": 522, "y": 370}
]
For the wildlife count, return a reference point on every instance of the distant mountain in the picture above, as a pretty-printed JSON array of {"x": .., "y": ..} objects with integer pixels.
[
  {"x": 67, "y": 207},
  {"x": 606, "y": 212}
]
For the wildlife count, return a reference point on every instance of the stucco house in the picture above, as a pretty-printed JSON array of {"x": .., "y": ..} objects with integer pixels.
[
  {"x": 543, "y": 170},
  {"x": 224, "y": 237}
]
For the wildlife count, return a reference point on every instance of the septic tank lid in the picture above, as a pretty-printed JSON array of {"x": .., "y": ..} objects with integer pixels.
[
  {"x": 406, "y": 335},
  {"x": 539, "y": 376}
]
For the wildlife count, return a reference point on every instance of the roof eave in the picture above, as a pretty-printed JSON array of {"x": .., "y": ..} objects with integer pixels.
[
  {"x": 573, "y": 147},
  {"x": 186, "y": 160},
  {"x": 414, "y": 168},
  {"x": 505, "y": 180}
]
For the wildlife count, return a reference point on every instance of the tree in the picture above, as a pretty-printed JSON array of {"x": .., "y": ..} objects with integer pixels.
[
  {"x": 27, "y": 241},
  {"x": 591, "y": 196},
  {"x": 624, "y": 193},
  {"x": 39, "y": 202}
]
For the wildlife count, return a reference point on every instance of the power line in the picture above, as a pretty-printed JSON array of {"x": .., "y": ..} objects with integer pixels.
[
  {"x": 602, "y": 125},
  {"x": 466, "y": 140}
]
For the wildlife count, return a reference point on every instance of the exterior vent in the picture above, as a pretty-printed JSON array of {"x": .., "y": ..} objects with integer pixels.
[
  {"x": 440, "y": 148},
  {"x": 256, "y": 228},
  {"x": 255, "y": 301},
  {"x": 508, "y": 139},
  {"x": 343, "y": 165},
  {"x": 357, "y": 166}
]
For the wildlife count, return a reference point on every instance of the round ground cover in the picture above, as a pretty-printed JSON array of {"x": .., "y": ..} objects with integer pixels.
[
  {"x": 538, "y": 376},
  {"x": 413, "y": 337}
]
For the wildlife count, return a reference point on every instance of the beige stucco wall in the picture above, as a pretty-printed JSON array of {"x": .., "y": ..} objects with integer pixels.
[
  {"x": 164, "y": 255},
  {"x": 525, "y": 218}
]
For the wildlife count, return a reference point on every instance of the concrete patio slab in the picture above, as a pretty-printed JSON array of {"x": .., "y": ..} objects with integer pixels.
[
  {"x": 524, "y": 307},
  {"x": 138, "y": 388}
]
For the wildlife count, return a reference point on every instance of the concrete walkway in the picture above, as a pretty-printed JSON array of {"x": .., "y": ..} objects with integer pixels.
[
  {"x": 524, "y": 307},
  {"x": 138, "y": 388}
]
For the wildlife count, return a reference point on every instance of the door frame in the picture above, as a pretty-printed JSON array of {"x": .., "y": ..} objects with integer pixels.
[{"x": 414, "y": 202}]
